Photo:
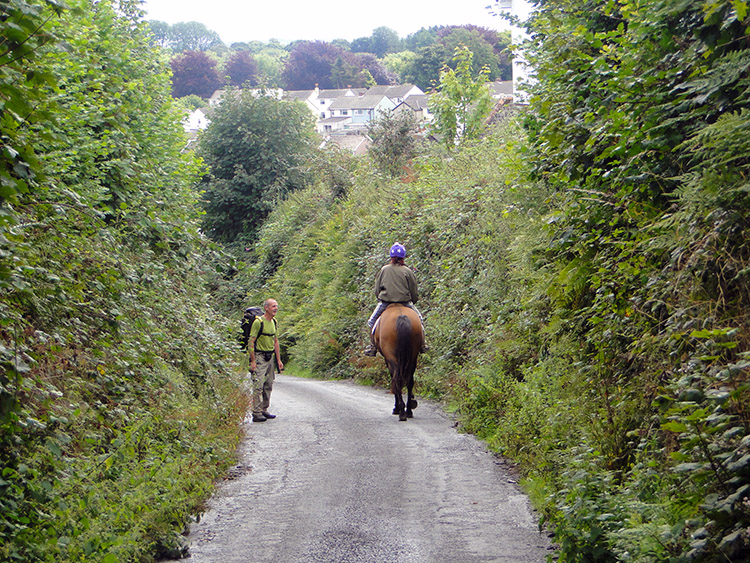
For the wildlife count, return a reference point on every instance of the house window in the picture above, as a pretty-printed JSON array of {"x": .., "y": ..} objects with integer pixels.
[
  {"x": 344, "y": 112},
  {"x": 328, "y": 128},
  {"x": 359, "y": 112},
  {"x": 322, "y": 102},
  {"x": 322, "y": 115}
]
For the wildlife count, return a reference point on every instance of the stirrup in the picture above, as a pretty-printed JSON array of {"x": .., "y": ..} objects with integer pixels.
[{"x": 371, "y": 351}]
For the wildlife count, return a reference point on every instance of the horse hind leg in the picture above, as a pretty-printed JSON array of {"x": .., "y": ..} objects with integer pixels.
[
  {"x": 400, "y": 407},
  {"x": 411, "y": 402}
]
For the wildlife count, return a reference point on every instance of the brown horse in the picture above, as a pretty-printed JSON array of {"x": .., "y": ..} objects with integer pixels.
[{"x": 398, "y": 337}]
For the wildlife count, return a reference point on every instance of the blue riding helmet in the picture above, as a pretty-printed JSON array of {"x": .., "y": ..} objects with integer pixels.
[{"x": 398, "y": 251}]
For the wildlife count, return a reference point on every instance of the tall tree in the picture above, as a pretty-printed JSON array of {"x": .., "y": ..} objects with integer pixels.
[
  {"x": 192, "y": 36},
  {"x": 395, "y": 141},
  {"x": 194, "y": 72},
  {"x": 361, "y": 45},
  {"x": 310, "y": 63},
  {"x": 257, "y": 148},
  {"x": 385, "y": 40},
  {"x": 424, "y": 68},
  {"x": 161, "y": 32},
  {"x": 241, "y": 68},
  {"x": 343, "y": 73},
  {"x": 462, "y": 102}
]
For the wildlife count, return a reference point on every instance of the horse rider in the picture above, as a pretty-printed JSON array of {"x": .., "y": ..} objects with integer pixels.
[{"x": 395, "y": 283}]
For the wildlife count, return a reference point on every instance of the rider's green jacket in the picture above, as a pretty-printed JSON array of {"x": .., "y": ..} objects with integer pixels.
[{"x": 396, "y": 284}]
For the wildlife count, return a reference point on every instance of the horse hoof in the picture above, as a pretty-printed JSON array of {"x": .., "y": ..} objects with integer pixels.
[
  {"x": 396, "y": 411},
  {"x": 409, "y": 414},
  {"x": 402, "y": 417},
  {"x": 413, "y": 403}
]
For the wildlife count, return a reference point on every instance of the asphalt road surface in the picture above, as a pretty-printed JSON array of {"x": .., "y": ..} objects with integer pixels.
[{"x": 336, "y": 478}]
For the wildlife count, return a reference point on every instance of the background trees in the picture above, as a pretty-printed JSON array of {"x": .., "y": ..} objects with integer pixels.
[
  {"x": 329, "y": 66},
  {"x": 382, "y": 57},
  {"x": 383, "y": 40},
  {"x": 184, "y": 36},
  {"x": 257, "y": 148},
  {"x": 241, "y": 68},
  {"x": 194, "y": 72}
]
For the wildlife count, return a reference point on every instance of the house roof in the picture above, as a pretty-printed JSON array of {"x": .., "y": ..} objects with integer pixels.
[
  {"x": 360, "y": 102},
  {"x": 417, "y": 102},
  {"x": 394, "y": 91},
  {"x": 501, "y": 88},
  {"x": 298, "y": 94},
  {"x": 336, "y": 93},
  {"x": 335, "y": 119},
  {"x": 354, "y": 143}
]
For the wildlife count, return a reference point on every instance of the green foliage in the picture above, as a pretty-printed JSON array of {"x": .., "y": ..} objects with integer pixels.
[
  {"x": 395, "y": 142},
  {"x": 432, "y": 49},
  {"x": 258, "y": 149},
  {"x": 382, "y": 41},
  {"x": 116, "y": 412},
  {"x": 636, "y": 118},
  {"x": 184, "y": 36},
  {"x": 585, "y": 289},
  {"x": 462, "y": 102}
]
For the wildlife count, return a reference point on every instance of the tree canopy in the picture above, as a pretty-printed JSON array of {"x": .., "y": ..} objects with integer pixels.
[
  {"x": 184, "y": 36},
  {"x": 461, "y": 102},
  {"x": 241, "y": 68},
  {"x": 258, "y": 149},
  {"x": 194, "y": 72},
  {"x": 323, "y": 64}
]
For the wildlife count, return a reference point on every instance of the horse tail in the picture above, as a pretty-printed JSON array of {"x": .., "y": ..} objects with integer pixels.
[{"x": 404, "y": 356}]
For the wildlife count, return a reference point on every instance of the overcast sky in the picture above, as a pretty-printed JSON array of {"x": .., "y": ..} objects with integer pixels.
[{"x": 288, "y": 20}]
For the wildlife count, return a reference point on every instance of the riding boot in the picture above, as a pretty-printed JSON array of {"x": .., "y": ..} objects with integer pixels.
[
  {"x": 371, "y": 350},
  {"x": 424, "y": 346}
]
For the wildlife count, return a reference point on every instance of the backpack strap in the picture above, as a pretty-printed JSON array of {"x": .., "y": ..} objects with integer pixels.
[{"x": 262, "y": 327}]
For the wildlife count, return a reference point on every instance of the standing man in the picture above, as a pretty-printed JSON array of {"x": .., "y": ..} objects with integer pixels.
[{"x": 264, "y": 350}]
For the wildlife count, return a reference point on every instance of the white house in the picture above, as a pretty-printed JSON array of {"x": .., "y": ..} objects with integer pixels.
[
  {"x": 196, "y": 120},
  {"x": 522, "y": 71},
  {"x": 361, "y": 109}
]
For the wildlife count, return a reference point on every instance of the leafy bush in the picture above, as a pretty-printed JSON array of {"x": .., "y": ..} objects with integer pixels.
[{"x": 118, "y": 403}]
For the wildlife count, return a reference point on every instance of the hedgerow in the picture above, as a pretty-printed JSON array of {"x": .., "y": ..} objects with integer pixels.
[{"x": 118, "y": 399}]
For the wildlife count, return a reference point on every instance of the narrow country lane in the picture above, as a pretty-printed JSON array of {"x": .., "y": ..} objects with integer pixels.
[{"x": 336, "y": 478}]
